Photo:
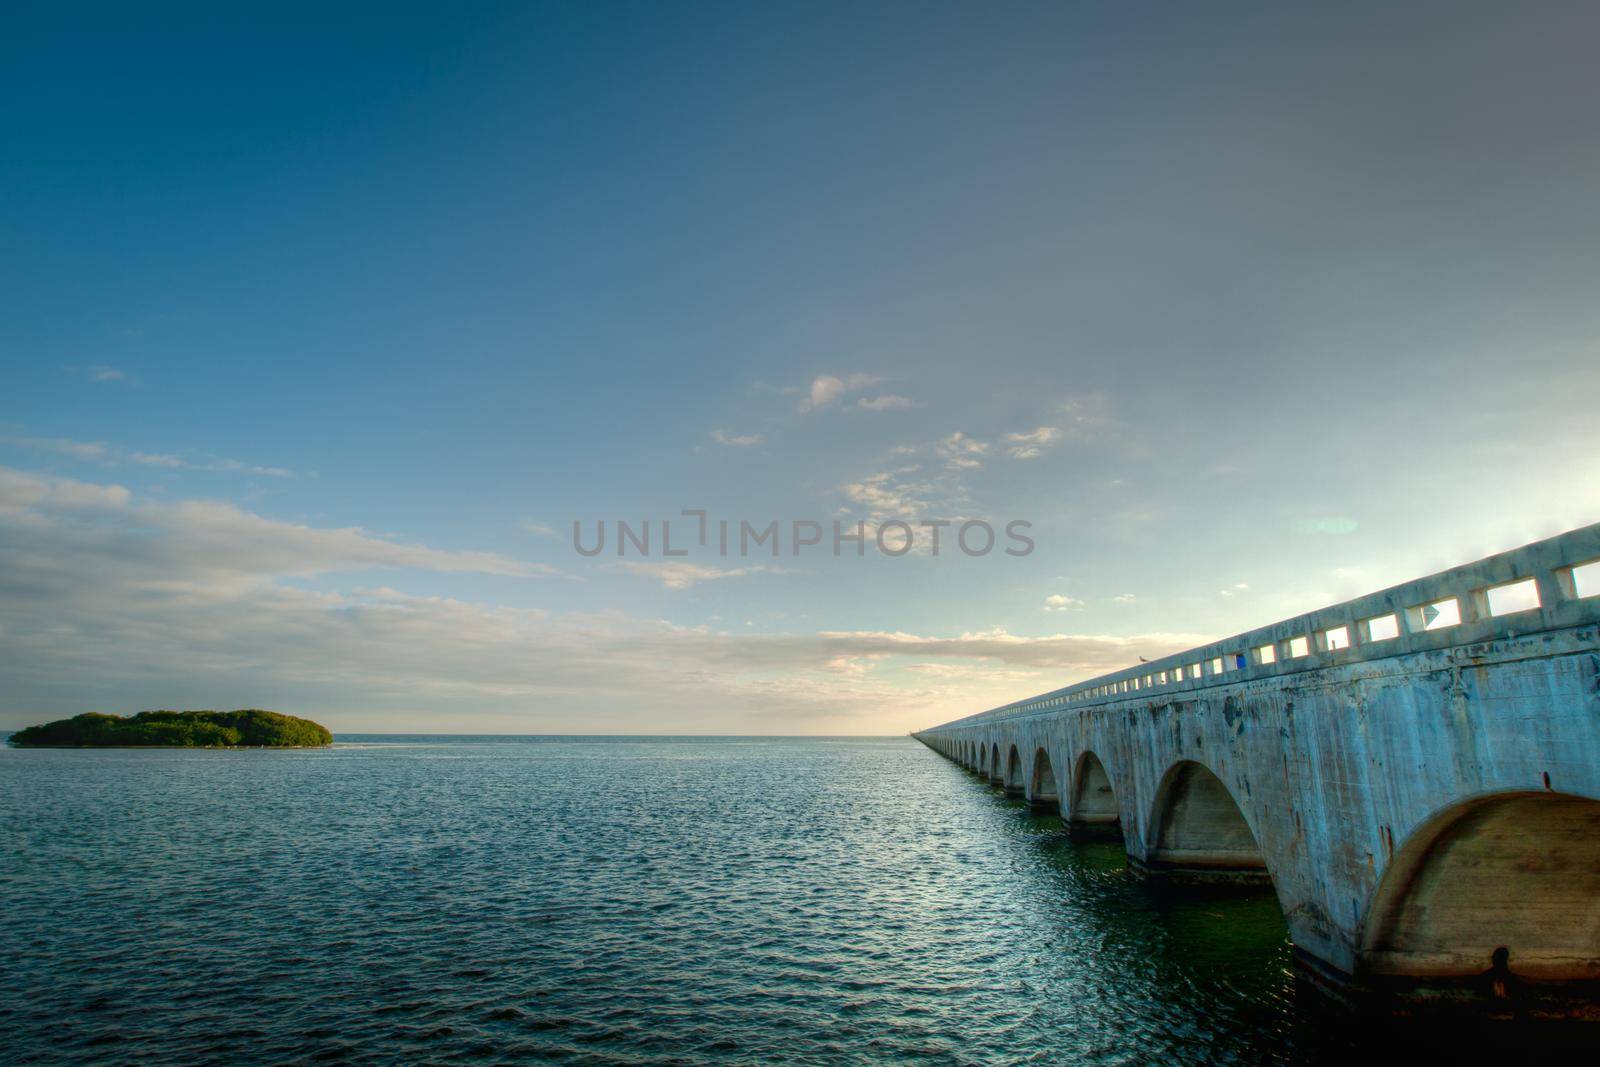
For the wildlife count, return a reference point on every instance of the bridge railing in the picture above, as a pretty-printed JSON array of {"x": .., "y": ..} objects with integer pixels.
[{"x": 1552, "y": 584}]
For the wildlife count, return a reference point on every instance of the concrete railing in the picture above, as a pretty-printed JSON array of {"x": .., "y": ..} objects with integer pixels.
[{"x": 1548, "y": 585}]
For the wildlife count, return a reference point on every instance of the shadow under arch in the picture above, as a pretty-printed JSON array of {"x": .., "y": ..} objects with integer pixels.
[
  {"x": 1493, "y": 902},
  {"x": 1012, "y": 782},
  {"x": 1043, "y": 792},
  {"x": 996, "y": 775},
  {"x": 1093, "y": 813},
  {"x": 1201, "y": 835}
]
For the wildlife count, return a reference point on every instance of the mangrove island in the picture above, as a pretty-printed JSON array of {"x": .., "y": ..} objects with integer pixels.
[{"x": 246, "y": 728}]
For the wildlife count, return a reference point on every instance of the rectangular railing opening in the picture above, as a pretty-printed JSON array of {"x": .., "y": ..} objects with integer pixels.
[
  {"x": 1336, "y": 638},
  {"x": 1438, "y": 615},
  {"x": 1266, "y": 654},
  {"x": 1298, "y": 646},
  {"x": 1513, "y": 597},
  {"x": 1382, "y": 627},
  {"x": 1584, "y": 579}
]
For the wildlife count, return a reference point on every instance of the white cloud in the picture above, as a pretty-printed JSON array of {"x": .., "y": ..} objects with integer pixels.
[
  {"x": 157, "y": 460},
  {"x": 225, "y": 543},
  {"x": 1237, "y": 587},
  {"x": 887, "y": 402},
  {"x": 1032, "y": 444},
  {"x": 1058, "y": 602},
  {"x": 100, "y": 452},
  {"x": 233, "y": 465},
  {"x": 1080, "y": 652},
  {"x": 890, "y": 494},
  {"x": 961, "y": 452},
  {"x": 824, "y": 391},
  {"x": 1123, "y": 598},
  {"x": 84, "y": 450},
  {"x": 541, "y": 529},
  {"x": 732, "y": 440},
  {"x": 827, "y": 390},
  {"x": 1086, "y": 413},
  {"x": 103, "y": 374},
  {"x": 682, "y": 575},
  {"x": 1085, "y": 418}
]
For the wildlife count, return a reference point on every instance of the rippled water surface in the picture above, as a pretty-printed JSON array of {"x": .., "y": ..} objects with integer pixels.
[{"x": 599, "y": 900}]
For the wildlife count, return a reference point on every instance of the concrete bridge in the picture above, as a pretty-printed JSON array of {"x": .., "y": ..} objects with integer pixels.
[{"x": 1416, "y": 773}]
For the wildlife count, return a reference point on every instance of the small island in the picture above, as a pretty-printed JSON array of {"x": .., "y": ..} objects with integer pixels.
[{"x": 246, "y": 728}]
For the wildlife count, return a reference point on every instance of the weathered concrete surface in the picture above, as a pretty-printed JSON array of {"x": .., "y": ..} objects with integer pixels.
[{"x": 1418, "y": 803}]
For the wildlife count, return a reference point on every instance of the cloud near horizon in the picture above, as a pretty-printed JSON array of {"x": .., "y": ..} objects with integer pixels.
[{"x": 112, "y": 603}]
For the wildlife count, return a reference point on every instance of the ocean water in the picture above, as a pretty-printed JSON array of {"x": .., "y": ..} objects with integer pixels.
[{"x": 426, "y": 899}]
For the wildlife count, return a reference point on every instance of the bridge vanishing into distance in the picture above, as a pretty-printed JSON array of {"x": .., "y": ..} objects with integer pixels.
[{"x": 1416, "y": 774}]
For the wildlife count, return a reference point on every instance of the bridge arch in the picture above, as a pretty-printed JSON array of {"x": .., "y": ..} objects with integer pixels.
[
  {"x": 1043, "y": 793},
  {"x": 1092, "y": 810},
  {"x": 996, "y": 775},
  {"x": 1490, "y": 893},
  {"x": 1200, "y": 833},
  {"x": 1013, "y": 780}
]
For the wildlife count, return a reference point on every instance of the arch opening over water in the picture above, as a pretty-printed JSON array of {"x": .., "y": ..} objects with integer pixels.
[
  {"x": 1043, "y": 793},
  {"x": 1497, "y": 898},
  {"x": 1013, "y": 777},
  {"x": 1201, "y": 834},
  {"x": 996, "y": 776},
  {"x": 1093, "y": 813}
]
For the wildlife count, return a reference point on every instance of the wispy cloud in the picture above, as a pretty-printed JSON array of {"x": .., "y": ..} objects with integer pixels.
[
  {"x": 100, "y": 452},
  {"x": 961, "y": 452},
  {"x": 103, "y": 374},
  {"x": 887, "y": 402},
  {"x": 892, "y": 494},
  {"x": 541, "y": 529},
  {"x": 1061, "y": 602},
  {"x": 683, "y": 575},
  {"x": 1032, "y": 444},
  {"x": 827, "y": 389},
  {"x": 734, "y": 440},
  {"x": 93, "y": 451}
]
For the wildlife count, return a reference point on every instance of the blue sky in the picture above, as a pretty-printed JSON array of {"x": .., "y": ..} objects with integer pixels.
[{"x": 315, "y": 324}]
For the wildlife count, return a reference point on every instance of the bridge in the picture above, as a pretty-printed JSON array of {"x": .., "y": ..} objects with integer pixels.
[{"x": 1416, "y": 774}]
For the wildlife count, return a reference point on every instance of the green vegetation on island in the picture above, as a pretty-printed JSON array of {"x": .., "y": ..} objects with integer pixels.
[{"x": 246, "y": 728}]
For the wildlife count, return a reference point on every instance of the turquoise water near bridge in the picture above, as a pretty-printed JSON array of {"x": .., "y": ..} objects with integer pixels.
[{"x": 604, "y": 901}]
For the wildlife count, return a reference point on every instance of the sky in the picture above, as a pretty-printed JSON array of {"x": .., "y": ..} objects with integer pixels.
[{"x": 322, "y": 328}]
